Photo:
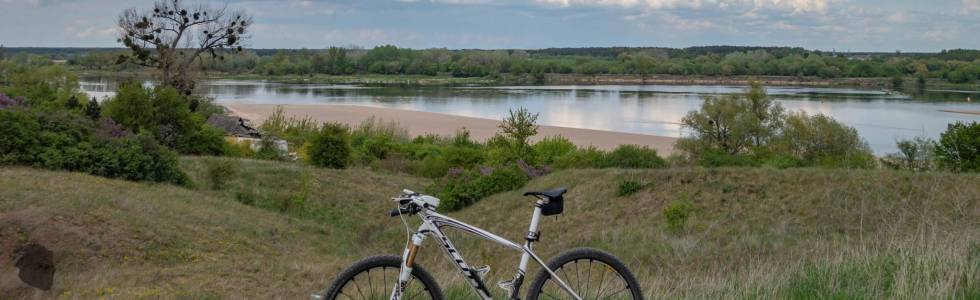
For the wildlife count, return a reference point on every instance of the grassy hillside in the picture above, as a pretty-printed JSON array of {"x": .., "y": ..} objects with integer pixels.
[{"x": 283, "y": 231}]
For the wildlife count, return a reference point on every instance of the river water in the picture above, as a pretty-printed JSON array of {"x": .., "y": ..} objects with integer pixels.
[{"x": 881, "y": 118}]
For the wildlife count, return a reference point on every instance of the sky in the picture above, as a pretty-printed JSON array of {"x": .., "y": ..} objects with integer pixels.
[{"x": 842, "y": 25}]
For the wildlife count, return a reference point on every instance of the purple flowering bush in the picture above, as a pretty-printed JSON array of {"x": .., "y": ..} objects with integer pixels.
[{"x": 7, "y": 101}]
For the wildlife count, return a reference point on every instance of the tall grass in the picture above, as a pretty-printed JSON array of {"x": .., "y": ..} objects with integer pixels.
[{"x": 751, "y": 233}]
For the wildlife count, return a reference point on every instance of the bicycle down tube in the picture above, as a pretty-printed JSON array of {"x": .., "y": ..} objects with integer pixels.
[{"x": 432, "y": 224}]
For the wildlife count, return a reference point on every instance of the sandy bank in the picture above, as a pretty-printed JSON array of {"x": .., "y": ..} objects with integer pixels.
[
  {"x": 967, "y": 112},
  {"x": 419, "y": 123}
]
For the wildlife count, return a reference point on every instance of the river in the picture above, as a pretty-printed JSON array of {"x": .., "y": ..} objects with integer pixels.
[{"x": 880, "y": 117}]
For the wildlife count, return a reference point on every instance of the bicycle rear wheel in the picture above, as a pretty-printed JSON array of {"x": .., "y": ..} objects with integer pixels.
[
  {"x": 375, "y": 277},
  {"x": 591, "y": 273}
]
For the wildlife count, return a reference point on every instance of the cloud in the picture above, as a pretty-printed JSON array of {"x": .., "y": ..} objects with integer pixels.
[
  {"x": 794, "y": 6},
  {"x": 92, "y": 32},
  {"x": 971, "y": 5}
]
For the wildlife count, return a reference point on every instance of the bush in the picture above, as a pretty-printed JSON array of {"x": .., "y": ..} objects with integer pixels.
[
  {"x": 165, "y": 113},
  {"x": 634, "y": 157},
  {"x": 268, "y": 150},
  {"x": 219, "y": 172},
  {"x": 139, "y": 158},
  {"x": 677, "y": 213},
  {"x": 628, "y": 188},
  {"x": 914, "y": 155},
  {"x": 590, "y": 157},
  {"x": 241, "y": 149},
  {"x": 20, "y": 132},
  {"x": 461, "y": 188},
  {"x": 958, "y": 148},
  {"x": 548, "y": 150},
  {"x": 820, "y": 140},
  {"x": 515, "y": 132},
  {"x": 331, "y": 146},
  {"x": 733, "y": 123}
]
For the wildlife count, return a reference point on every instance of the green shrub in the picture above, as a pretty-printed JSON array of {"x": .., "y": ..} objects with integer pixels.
[
  {"x": 959, "y": 147},
  {"x": 549, "y": 149},
  {"x": 165, "y": 113},
  {"x": 268, "y": 149},
  {"x": 733, "y": 123},
  {"x": 69, "y": 141},
  {"x": 136, "y": 157},
  {"x": 331, "y": 147},
  {"x": 590, "y": 157},
  {"x": 634, "y": 157},
  {"x": 242, "y": 149},
  {"x": 219, "y": 172},
  {"x": 820, "y": 140},
  {"x": 628, "y": 188},
  {"x": 515, "y": 132},
  {"x": 677, "y": 213},
  {"x": 914, "y": 155},
  {"x": 293, "y": 130},
  {"x": 20, "y": 136},
  {"x": 461, "y": 188}
]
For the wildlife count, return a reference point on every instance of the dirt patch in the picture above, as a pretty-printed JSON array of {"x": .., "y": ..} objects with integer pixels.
[
  {"x": 34, "y": 242},
  {"x": 36, "y": 265}
]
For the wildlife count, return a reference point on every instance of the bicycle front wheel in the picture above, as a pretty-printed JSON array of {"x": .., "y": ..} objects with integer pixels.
[
  {"x": 591, "y": 273},
  {"x": 374, "y": 278}
]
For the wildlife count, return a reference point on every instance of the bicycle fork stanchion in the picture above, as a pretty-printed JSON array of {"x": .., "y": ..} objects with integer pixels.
[{"x": 408, "y": 260}]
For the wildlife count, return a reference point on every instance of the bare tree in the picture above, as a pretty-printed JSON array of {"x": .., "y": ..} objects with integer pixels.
[{"x": 172, "y": 37}]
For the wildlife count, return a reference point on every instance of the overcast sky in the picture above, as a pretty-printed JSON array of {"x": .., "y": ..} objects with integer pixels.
[{"x": 844, "y": 25}]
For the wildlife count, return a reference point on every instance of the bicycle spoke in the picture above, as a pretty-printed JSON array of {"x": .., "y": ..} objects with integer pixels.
[
  {"x": 617, "y": 292},
  {"x": 601, "y": 281},
  {"x": 588, "y": 284},
  {"x": 354, "y": 280},
  {"x": 588, "y": 278}
]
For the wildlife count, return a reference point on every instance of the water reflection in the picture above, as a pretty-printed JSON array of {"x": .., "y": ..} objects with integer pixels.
[{"x": 880, "y": 117}]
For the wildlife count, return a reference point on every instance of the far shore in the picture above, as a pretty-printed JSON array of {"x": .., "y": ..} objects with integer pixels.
[
  {"x": 418, "y": 123},
  {"x": 966, "y": 112}
]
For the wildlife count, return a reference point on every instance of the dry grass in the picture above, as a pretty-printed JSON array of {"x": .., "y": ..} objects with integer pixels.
[{"x": 753, "y": 233}]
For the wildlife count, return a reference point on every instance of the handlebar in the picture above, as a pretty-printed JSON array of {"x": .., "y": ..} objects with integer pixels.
[{"x": 411, "y": 210}]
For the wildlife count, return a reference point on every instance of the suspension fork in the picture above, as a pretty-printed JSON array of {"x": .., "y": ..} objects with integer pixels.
[{"x": 408, "y": 260}]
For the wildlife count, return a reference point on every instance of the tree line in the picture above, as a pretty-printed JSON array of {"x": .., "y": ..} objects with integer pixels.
[{"x": 956, "y": 66}]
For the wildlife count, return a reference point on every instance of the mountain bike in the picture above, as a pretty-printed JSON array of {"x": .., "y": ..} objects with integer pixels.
[{"x": 580, "y": 273}]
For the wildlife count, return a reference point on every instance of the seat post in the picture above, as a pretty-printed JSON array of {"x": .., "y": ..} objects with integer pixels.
[
  {"x": 532, "y": 231},
  {"x": 532, "y": 235}
]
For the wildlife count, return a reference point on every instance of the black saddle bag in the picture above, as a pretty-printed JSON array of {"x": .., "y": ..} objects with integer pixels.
[{"x": 554, "y": 206}]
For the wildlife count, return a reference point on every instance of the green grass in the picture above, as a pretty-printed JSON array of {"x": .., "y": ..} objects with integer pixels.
[{"x": 751, "y": 234}]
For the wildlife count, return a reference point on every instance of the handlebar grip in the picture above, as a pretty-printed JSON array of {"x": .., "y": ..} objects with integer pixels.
[
  {"x": 395, "y": 212},
  {"x": 403, "y": 211}
]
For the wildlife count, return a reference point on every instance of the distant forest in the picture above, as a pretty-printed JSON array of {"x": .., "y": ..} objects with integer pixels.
[{"x": 956, "y": 66}]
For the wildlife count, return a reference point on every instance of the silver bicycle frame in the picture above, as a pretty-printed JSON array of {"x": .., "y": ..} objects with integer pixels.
[{"x": 432, "y": 224}]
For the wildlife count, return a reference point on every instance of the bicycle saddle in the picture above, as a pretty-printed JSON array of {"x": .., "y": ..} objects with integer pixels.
[
  {"x": 556, "y": 202},
  {"x": 551, "y": 194}
]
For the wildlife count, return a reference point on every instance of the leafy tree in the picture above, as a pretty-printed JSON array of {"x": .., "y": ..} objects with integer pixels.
[
  {"x": 915, "y": 155},
  {"x": 172, "y": 37},
  {"x": 163, "y": 112},
  {"x": 517, "y": 129},
  {"x": 732, "y": 123},
  {"x": 959, "y": 147},
  {"x": 821, "y": 140}
]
